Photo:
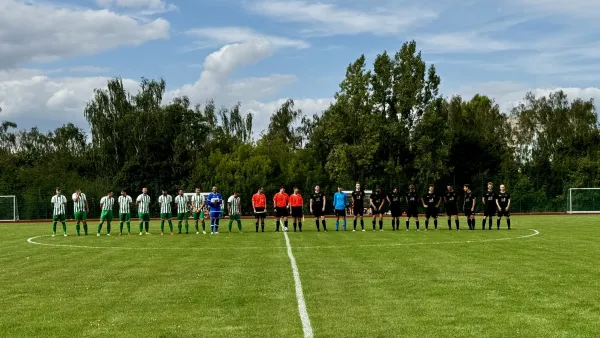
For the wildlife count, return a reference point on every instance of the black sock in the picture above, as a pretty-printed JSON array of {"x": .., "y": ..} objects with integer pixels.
[
  {"x": 285, "y": 223},
  {"x": 490, "y": 223},
  {"x": 362, "y": 224},
  {"x": 374, "y": 224},
  {"x": 417, "y": 225},
  {"x": 508, "y": 222},
  {"x": 449, "y": 224},
  {"x": 393, "y": 224},
  {"x": 457, "y": 223},
  {"x": 295, "y": 225},
  {"x": 262, "y": 226},
  {"x": 324, "y": 225},
  {"x": 483, "y": 224},
  {"x": 407, "y": 224},
  {"x": 427, "y": 224},
  {"x": 317, "y": 223},
  {"x": 147, "y": 226},
  {"x": 277, "y": 226},
  {"x": 435, "y": 223},
  {"x": 380, "y": 224},
  {"x": 498, "y": 223},
  {"x": 354, "y": 224},
  {"x": 300, "y": 226}
]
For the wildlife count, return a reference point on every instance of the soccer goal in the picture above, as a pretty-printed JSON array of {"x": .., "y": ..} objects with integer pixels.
[
  {"x": 584, "y": 200},
  {"x": 8, "y": 208}
]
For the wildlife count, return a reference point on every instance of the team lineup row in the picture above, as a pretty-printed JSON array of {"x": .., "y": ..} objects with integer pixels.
[{"x": 197, "y": 206}]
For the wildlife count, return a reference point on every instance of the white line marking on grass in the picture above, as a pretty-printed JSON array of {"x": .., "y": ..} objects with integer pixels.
[
  {"x": 32, "y": 240},
  {"x": 306, "y": 327}
]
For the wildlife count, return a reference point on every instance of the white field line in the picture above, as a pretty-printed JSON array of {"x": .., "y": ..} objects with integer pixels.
[
  {"x": 306, "y": 327},
  {"x": 32, "y": 240}
]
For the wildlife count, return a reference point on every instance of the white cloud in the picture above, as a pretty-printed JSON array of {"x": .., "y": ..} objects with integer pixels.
[
  {"x": 51, "y": 32},
  {"x": 330, "y": 19},
  {"x": 465, "y": 42},
  {"x": 147, "y": 7},
  {"x": 582, "y": 9},
  {"x": 210, "y": 37}
]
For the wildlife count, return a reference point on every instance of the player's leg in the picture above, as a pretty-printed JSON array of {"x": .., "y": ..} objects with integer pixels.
[
  {"x": 491, "y": 219},
  {"x": 163, "y": 218},
  {"x": 179, "y": 222},
  {"x": 256, "y": 220},
  {"x": 449, "y": 221},
  {"x": 381, "y": 221},
  {"x": 337, "y": 220},
  {"x": 262, "y": 221},
  {"x": 109, "y": 218},
  {"x": 84, "y": 220},
  {"x": 54, "y": 221},
  {"x": 498, "y": 220},
  {"x": 141, "y": 216},
  {"x": 217, "y": 220},
  {"x": 169, "y": 219},
  {"x": 202, "y": 218},
  {"x": 238, "y": 219},
  {"x": 121, "y": 223},
  {"x": 427, "y": 217},
  {"x": 324, "y": 223},
  {"x": 77, "y": 218},
  {"x": 456, "y": 221},
  {"x": 407, "y": 221},
  {"x": 277, "y": 220},
  {"x": 295, "y": 221},
  {"x": 485, "y": 217},
  {"x": 285, "y": 220},
  {"x": 507, "y": 214},
  {"x": 344, "y": 217},
  {"x": 230, "y": 223},
  {"x": 102, "y": 219},
  {"x": 300, "y": 222}
]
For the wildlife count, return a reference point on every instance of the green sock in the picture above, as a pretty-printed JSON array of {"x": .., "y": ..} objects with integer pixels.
[
  {"x": 197, "y": 226},
  {"x": 54, "y": 228},
  {"x": 108, "y": 227},
  {"x": 187, "y": 227},
  {"x": 179, "y": 226},
  {"x": 239, "y": 225},
  {"x": 85, "y": 229},
  {"x": 64, "y": 227},
  {"x": 77, "y": 227},
  {"x": 162, "y": 226},
  {"x": 99, "y": 227},
  {"x": 129, "y": 227},
  {"x": 171, "y": 225},
  {"x": 230, "y": 222}
]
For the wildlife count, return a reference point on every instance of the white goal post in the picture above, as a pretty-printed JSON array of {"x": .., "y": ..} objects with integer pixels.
[
  {"x": 584, "y": 200},
  {"x": 8, "y": 208}
]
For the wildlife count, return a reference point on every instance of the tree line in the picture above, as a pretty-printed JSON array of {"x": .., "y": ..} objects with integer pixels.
[{"x": 388, "y": 126}]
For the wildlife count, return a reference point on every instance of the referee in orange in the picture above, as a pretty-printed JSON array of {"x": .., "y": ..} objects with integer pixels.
[
  {"x": 281, "y": 201},
  {"x": 297, "y": 203},
  {"x": 259, "y": 205}
]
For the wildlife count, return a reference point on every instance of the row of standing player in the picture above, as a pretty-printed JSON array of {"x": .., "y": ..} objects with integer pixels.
[{"x": 493, "y": 203}]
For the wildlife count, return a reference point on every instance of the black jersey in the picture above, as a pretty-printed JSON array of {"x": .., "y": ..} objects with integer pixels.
[
  {"x": 377, "y": 199},
  {"x": 490, "y": 199},
  {"x": 468, "y": 202},
  {"x": 317, "y": 199},
  {"x": 359, "y": 198},
  {"x": 503, "y": 198},
  {"x": 431, "y": 199},
  {"x": 450, "y": 198},
  {"x": 412, "y": 199},
  {"x": 395, "y": 198}
]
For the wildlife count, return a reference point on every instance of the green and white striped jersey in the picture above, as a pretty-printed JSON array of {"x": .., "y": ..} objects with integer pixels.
[
  {"x": 144, "y": 207},
  {"x": 107, "y": 203},
  {"x": 165, "y": 203},
  {"x": 182, "y": 204},
  {"x": 234, "y": 204},
  {"x": 58, "y": 201},
  {"x": 79, "y": 205},
  {"x": 197, "y": 200},
  {"x": 125, "y": 204}
]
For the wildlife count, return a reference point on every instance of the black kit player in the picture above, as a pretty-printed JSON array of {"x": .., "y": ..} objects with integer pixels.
[
  {"x": 503, "y": 203},
  {"x": 412, "y": 211},
  {"x": 394, "y": 199},
  {"x": 490, "y": 206},
  {"x": 358, "y": 204},
  {"x": 451, "y": 207},
  {"x": 469, "y": 206},
  {"x": 317, "y": 207},
  {"x": 431, "y": 202},
  {"x": 377, "y": 202}
]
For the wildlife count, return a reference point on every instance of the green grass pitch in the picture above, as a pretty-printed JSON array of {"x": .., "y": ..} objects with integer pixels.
[{"x": 372, "y": 284}]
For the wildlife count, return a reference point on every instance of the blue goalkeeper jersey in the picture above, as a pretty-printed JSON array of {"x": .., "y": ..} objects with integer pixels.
[
  {"x": 340, "y": 201},
  {"x": 214, "y": 201}
]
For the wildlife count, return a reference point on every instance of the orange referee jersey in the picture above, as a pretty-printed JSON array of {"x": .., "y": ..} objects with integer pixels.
[
  {"x": 281, "y": 200},
  {"x": 259, "y": 200},
  {"x": 296, "y": 200}
]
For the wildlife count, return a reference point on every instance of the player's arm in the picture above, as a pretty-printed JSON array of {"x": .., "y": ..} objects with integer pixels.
[
  {"x": 310, "y": 206},
  {"x": 508, "y": 205},
  {"x": 371, "y": 203},
  {"x": 439, "y": 202},
  {"x": 64, "y": 200},
  {"x": 497, "y": 204},
  {"x": 253, "y": 205},
  {"x": 473, "y": 205},
  {"x": 483, "y": 199},
  {"x": 101, "y": 203},
  {"x": 324, "y": 202}
]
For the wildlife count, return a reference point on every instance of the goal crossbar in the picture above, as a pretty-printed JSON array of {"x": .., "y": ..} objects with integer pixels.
[{"x": 571, "y": 211}]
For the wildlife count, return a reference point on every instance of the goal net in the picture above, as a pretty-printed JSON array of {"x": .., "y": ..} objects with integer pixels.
[
  {"x": 8, "y": 208},
  {"x": 584, "y": 200}
]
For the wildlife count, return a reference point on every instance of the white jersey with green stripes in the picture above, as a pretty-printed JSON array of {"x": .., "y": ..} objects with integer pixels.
[
  {"x": 107, "y": 203},
  {"x": 144, "y": 206},
  {"x": 79, "y": 203},
  {"x": 182, "y": 204},
  {"x": 58, "y": 203},
  {"x": 125, "y": 204},
  {"x": 165, "y": 203},
  {"x": 234, "y": 204},
  {"x": 197, "y": 200}
]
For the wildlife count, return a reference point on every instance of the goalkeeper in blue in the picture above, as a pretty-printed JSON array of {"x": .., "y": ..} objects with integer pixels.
[
  {"x": 214, "y": 201},
  {"x": 340, "y": 202}
]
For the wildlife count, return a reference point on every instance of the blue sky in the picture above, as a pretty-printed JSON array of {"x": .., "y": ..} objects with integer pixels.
[{"x": 263, "y": 51}]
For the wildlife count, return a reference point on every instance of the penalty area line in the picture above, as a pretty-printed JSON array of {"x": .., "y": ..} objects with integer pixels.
[{"x": 306, "y": 327}]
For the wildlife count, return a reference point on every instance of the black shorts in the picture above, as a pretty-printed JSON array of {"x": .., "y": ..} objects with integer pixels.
[
  {"x": 375, "y": 211},
  {"x": 297, "y": 212},
  {"x": 431, "y": 212},
  {"x": 318, "y": 211},
  {"x": 412, "y": 212},
  {"x": 490, "y": 211},
  {"x": 281, "y": 212},
  {"x": 358, "y": 211},
  {"x": 340, "y": 213},
  {"x": 469, "y": 213},
  {"x": 503, "y": 213},
  {"x": 260, "y": 213},
  {"x": 451, "y": 210},
  {"x": 396, "y": 212}
]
